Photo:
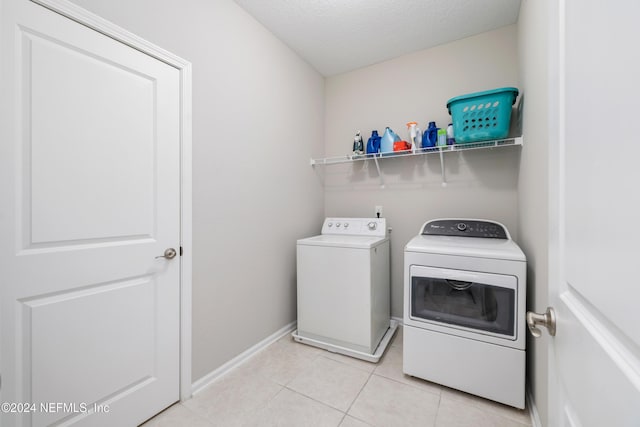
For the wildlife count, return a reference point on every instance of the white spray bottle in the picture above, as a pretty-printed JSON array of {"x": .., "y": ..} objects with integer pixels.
[{"x": 415, "y": 136}]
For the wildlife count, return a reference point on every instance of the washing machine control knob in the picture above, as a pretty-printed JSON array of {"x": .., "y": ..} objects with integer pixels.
[
  {"x": 337, "y": 224},
  {"x": 372, "y": 225},
  {"x": 462, "y": 226},
  {"x": 330, "y": 224},
  {"x": 346, "y": 224}
]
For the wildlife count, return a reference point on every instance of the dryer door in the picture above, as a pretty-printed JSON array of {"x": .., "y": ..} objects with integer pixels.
[{"x": 470, "y": 301}]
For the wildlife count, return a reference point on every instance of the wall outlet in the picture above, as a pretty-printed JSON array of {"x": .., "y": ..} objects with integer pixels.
[{"x": 378, "y": 211}]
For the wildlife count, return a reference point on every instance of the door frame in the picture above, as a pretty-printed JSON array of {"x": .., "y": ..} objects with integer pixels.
[
  {"x": 101, "y": 25},
  {"x": 555, "y": 186}
]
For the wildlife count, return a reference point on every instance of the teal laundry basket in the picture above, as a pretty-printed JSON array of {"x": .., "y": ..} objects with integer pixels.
[{"x": 482, "y": 116}]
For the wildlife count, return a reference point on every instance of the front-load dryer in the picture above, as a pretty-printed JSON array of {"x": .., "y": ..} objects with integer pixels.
[
  {"x": 344, "y": 288},
  {"x": 464, "y": 309}
]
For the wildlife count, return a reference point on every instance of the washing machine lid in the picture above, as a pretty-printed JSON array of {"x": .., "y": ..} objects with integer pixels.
[
  {"x": 505, "y": 249},
  {"x": 344, "y": 241}
]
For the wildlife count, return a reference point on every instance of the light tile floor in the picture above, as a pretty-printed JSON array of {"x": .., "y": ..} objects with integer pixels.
[{"x": 292, "y": 384}]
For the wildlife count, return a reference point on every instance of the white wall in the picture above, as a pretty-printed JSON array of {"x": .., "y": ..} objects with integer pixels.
[
  {"x": 533, "y": 183},
  {"x": 257, "y": 119},
  {"x": 416, "y": 87}
]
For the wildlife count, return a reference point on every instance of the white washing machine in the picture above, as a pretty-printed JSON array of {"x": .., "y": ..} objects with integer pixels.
[
  {"x": 464, "y": 309},
  {"x": 344, "y": 288}
]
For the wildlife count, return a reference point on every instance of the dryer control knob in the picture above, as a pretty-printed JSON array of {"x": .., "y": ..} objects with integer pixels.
[
  {"x": 462, "y": 226},
  {"x": 338, "y": 224},
  {"x": 330, "y": 224},
  {"x": 372, "y": 225},
  {"x": 346, "y": 224}
]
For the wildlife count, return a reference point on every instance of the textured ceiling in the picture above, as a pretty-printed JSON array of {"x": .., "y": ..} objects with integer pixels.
[{"x": 336, "y": 36}]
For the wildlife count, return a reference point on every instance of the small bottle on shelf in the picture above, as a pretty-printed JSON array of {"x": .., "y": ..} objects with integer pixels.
[
  {"x": 442, "y": 137},
  {"x": 358, "y": 145},
  {"x": 451, "y": 140},
  {"x": 415, "y": 136}
]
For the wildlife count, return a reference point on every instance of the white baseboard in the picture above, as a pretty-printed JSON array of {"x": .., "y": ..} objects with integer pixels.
[
  {"x": 533, "y": 410},
  {"x": 216, "y": 374}
]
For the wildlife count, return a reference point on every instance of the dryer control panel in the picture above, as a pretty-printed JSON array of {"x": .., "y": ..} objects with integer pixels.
[{"x": 465, "y": 228}]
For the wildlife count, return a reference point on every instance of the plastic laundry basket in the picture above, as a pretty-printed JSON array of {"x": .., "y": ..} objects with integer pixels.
[{"x": 482, "y": 116}]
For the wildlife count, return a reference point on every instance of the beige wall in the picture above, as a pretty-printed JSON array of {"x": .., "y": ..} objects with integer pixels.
[
  {"x": 533, "y": 183},
  {"x": 481, "y": 184},
  {"x": 257, "y": 119}
]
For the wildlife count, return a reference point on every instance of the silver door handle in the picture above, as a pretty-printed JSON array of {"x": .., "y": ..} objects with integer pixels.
[
  {"x": 168, "y": 254},
  {"x": 548, "y": 320}
]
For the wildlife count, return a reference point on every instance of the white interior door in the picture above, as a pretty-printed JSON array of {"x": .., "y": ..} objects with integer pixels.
[
  {"x": 595, "y": 213},
  {"x": 90, "y": 190}
]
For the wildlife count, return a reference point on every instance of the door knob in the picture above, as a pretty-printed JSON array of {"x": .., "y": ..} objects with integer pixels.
[
  {"x": 169, "y": 253},
  {"x": 548, "y": 320}
]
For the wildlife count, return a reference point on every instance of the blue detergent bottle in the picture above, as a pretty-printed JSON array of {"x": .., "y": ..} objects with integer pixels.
[
  {"x": 430, "y": 137},
  {"x": 373, "y": 144}
]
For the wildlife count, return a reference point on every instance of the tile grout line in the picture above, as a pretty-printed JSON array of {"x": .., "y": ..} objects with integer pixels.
[
  {"x": 314, "y": 399},
  {"x": 202, "y": 417},
  {"x": 254, "y": 411},
  {"x": 435, "y": 419},
  {"x": 479, "y": 402},
  {"x": 486, "y": 410},
  {"x": 358, "y": 395},
  {"x": 311, "y": 359},
  {"x": 410, "y": 385},
  {"x": 345, "y": 413},
  {"x": 347, "y": 364}
]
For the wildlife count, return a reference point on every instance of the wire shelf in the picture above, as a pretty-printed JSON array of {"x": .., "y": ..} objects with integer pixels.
[
  {"x": 508, "y": 142},
  {"x": 457, "y": 148}
]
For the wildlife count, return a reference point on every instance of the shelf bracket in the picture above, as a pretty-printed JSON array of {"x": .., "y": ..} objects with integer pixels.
[
  {"x": 375, "y": 159},
  {"x": 444, "y": 176}
]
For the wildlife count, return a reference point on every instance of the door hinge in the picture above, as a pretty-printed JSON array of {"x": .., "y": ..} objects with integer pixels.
[{"x": 180, "y": 250}]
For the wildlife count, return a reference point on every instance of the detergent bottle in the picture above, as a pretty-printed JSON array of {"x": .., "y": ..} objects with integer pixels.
[
  {"x": 430, "y": 137},
  {"x": 373, "y": 144},
  {"x": 386, "y": 143}
]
